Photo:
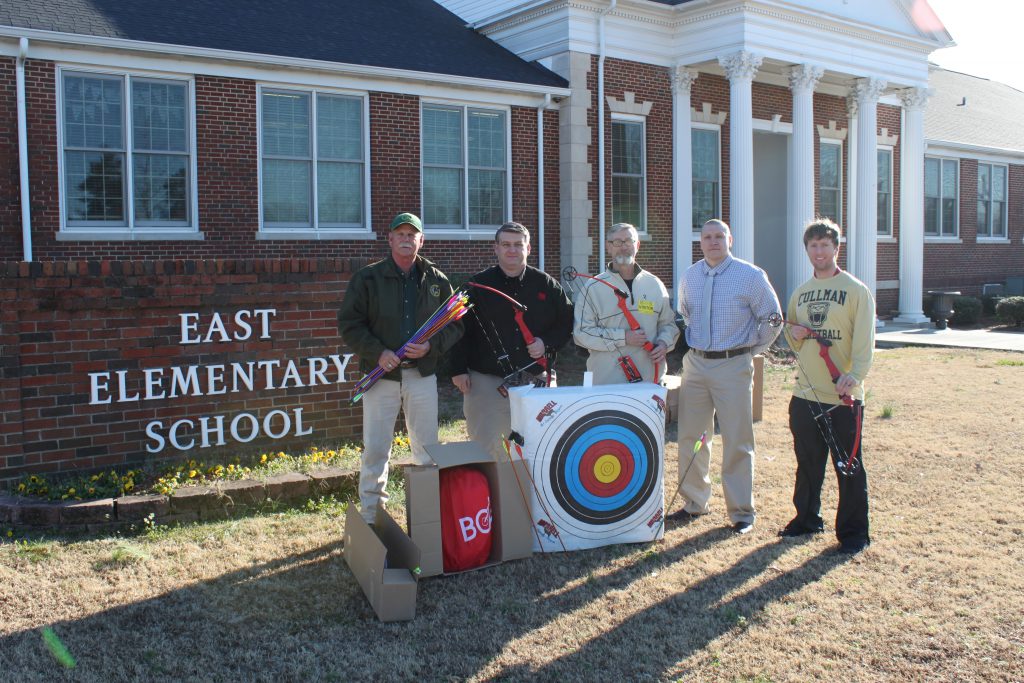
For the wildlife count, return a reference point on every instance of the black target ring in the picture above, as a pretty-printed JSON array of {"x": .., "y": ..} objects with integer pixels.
[{"x": 613, "y": 492}]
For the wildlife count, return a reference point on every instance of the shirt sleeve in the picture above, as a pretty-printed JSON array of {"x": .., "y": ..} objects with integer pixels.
[
  {"x": 354, "y": 320},
  {"x": 588, "y": 331},
  {"x": 764, "y": 305},
  {"x": 863, "y": 345},
  {"x": 668, "y": 331}
]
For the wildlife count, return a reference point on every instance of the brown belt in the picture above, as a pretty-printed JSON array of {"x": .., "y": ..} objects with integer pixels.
[{"x": 712, "y": 355}]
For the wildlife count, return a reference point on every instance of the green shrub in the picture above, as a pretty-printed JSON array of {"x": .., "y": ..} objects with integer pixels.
[
  {"x": 1011, "y": 310},
  {"x": 966, "y": 311},
  {"x": 989, "y": 303}
]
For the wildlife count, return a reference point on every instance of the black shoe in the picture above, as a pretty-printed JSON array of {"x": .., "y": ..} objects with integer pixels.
[
  {"x": 682, "y": 516},
  {"x": 792, "y": 530},
  {"x": 853, "y": 546},
  {"x": 742, "y": 527}
]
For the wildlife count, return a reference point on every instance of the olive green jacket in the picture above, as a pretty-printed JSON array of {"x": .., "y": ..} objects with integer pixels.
[{"x": 370, "y": 317}]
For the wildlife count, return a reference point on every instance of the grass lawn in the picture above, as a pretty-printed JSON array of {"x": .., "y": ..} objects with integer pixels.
[{"x": 938, "y": 596}]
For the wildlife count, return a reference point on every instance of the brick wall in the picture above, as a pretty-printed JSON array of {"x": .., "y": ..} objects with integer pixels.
[
  {"x": 227, "y": 164},
  {"x": 61, "y": 321},
  {"x": 970, "y": 264},
  {"x": 649, "y": 84}
]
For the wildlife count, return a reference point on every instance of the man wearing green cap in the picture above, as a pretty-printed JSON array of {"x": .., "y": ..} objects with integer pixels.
[{"x": 384, "y": 305}]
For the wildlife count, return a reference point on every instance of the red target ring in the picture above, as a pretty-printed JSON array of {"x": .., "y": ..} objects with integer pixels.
[{"x": 595, "y": 474}]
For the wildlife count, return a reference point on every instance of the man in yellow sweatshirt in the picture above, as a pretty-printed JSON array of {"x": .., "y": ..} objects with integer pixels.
[{"x": 832, "y": 331}]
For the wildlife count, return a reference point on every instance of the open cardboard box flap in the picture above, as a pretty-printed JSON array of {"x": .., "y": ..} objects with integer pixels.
[{"x": 384, "y": 563}]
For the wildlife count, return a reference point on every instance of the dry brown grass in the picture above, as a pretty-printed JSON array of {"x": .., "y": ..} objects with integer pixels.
[{"x": 938, "y": 596}]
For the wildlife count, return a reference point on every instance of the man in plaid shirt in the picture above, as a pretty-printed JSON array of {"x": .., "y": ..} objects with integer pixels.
[{"x": 726, "y": 303}]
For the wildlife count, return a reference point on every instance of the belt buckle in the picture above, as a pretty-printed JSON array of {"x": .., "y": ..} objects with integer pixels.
[{"x": 406, "y": 364}]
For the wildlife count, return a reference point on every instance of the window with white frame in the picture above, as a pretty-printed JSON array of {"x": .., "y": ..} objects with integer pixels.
[
  {"x": 992, "y": 187},
  {"x": 940, "y": 197},
  {"x": 706, "y": 168},
  {"x": 830, "y": 180},
  {"x": 127, "y": 151},
  {"x": 629, "y": 182},
  {"x": 885, "y": 192},
  {"x": 313, "y": 158},
  {"x": 465, "y": 167}
]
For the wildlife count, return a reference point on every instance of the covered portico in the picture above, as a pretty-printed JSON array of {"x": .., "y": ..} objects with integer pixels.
[{"x": 863, "y": 54}]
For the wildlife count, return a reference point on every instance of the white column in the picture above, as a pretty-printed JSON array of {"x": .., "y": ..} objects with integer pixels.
[
  {"x": 802, "y": 79},
  {"x": 912, "y": 206},
  {"x": 682, "y": 174},
  {"x": 865, "y": 244},
  {"x": 740, "y": 68},
  {"x": 850, "y": 231}
]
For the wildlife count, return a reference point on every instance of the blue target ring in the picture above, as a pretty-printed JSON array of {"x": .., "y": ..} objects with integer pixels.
[
  {"x": 632, "y": 483},
  {"x": 573, "y": 462}
]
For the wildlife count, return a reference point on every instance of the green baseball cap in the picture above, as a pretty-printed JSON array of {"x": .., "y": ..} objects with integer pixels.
[{"x": 410, "y": 219}]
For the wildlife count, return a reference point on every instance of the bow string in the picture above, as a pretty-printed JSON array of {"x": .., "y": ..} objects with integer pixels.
[
  {"x": 846, "y": 463},
  {"x": 569, "y": 274}
]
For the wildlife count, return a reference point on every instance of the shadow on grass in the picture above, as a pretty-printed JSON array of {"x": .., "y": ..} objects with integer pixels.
[
  {"x": 303, "y": 617},
  {"x": 650, "y": 643}
]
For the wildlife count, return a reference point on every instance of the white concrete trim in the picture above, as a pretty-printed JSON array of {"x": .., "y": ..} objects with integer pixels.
[
  {"x": 628, "y": 105},
  {"x": 459, "y": 235},
  {"x": 124, "y": 235},
  {"x": 832, "y": 132},
  {"x": 705, "y": 115},
  {"x": 324, "y": 234},
  {"x": 887, "y": 140},
  {"x": 959, "y": 150}
]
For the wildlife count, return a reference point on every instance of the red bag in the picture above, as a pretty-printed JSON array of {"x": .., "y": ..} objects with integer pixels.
[{"x": 465, "y": 518}]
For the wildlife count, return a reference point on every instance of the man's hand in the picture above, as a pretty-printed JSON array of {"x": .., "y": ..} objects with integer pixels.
[
  {"x": 388, "y": 360},
  {"x": 536, "y": 348},
  {"x": 658, "y": 353},
  {"x": 636, "y": 337},
  {"x": 462, "y": 382},
  {"x": 415, "y": 351},
  {"x": 845, "y": 384},
  {"x": 798, "y": 332}
]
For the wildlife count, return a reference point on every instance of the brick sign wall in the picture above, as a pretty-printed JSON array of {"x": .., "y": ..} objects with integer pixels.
[{"x": 108, "y": 363}]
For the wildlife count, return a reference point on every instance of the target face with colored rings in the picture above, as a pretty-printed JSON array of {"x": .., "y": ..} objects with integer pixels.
[{"x": 598, "y": 465}]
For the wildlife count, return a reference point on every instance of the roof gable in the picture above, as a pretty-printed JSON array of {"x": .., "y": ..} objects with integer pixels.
[{"x": 414, "y": 35}]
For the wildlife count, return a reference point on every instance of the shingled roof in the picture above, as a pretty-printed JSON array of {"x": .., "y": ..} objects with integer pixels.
[
  {"x": 974, "y": 111},
  {"x": 414, "y": 35}
]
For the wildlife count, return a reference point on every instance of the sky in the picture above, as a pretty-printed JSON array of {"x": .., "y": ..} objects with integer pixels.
[{"x": 988, "y": 37}]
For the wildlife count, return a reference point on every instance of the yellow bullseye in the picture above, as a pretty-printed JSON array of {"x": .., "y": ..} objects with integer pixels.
[{"x": 607, "y": 469}]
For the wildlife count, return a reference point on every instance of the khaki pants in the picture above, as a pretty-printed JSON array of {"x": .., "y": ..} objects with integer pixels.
[
  {"x": 722, "y": 386},
  {"x": 417, "y": 396},
  {"x": 488, "y": 415}
]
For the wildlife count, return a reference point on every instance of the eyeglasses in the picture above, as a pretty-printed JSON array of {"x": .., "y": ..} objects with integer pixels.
[{"x": 620, "y": 243}]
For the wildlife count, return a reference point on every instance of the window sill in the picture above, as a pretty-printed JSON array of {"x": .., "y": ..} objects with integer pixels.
[
  {"x": 993, "y": 240},
  {"x": 461, "y": 235},
  {"x": 138, "y": 235},
  {"x": 943, "y": 240},
  {"x": 885, "y": 239},
  {"x": 314, "y": 235}
]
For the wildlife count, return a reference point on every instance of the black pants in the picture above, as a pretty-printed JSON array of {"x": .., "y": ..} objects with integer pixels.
[{"x": 812, "y": 457}]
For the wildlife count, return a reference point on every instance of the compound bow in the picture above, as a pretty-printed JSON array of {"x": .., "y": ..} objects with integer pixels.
[
  {"x": 846, "y": 463},
  {"x": 518, "y": 315}
]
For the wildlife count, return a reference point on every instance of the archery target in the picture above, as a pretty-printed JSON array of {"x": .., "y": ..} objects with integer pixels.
[{"x": 596, "y": 456}]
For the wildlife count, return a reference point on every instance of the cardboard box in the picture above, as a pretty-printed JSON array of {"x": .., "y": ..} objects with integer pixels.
[
  {"x": 511, "y": 526},
  {"x": 384, "y": 563}
]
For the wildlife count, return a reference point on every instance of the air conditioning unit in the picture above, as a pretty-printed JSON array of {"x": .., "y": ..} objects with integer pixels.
[{"x": 995, "y": 289}]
